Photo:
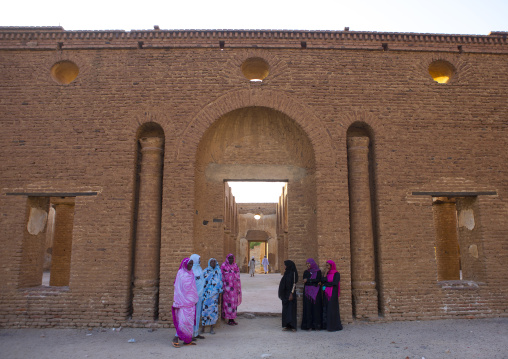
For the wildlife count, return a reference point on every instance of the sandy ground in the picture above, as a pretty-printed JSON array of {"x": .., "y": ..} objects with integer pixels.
[
  {"x": 262, "y": 337},
  {"x": 260, "y": 293}
]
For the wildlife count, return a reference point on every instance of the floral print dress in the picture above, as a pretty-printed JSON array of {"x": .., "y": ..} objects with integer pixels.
[
  {"x": 213, "y": 288},
  {"x": 232, "y": 287}
]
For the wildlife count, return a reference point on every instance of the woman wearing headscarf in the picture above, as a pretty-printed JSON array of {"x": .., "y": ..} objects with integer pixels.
[
  {"x": 184, "y": 304},
  {"x": 287, "y": 294},
  {"x": 232, "y": 289},
  {"x": 312, "y": 302},
  {"x": 331, "y": 286},
  {"x": 252, "y": 267},
  {"x": 200, "y": 286},
  {"x": 213, "y": 287}
]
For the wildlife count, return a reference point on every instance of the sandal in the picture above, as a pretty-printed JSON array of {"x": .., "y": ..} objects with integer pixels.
[
  {"x": 199, "y": 337},
  {"x": 175, "y": 344},
  {"x": 190, "y": 343}
]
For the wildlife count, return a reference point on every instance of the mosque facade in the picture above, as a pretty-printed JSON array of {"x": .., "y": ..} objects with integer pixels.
[{"x": 118, "y": 149}]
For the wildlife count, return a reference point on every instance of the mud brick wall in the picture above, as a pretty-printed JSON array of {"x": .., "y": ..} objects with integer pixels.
[{"x": 74, "y": 107}]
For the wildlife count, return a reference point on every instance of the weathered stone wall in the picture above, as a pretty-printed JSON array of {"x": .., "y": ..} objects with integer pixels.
[{"x": 80, "y": 141}]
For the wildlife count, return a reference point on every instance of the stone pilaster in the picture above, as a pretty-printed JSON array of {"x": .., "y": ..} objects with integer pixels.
[
  {"x": 363, "y": 273},
  {"x": 148, "y": 231}
]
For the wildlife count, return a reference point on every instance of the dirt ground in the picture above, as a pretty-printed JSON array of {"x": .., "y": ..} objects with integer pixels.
[{"x": 261, "y": 337}]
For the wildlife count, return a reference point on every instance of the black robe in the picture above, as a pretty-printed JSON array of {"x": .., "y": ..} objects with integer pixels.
[
  {"x": 331, "y": 311},
  {"x": 312, "y": 312},
  {"x": 288, "y": 306}
]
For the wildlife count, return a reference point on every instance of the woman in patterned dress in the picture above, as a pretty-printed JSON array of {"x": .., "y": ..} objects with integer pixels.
[
  {"x": 213, "y": 287},
  {"x": 232, "y": 289}
]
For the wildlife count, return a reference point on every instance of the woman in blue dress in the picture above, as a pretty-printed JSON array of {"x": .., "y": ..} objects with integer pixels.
[
  {"x": 200, "y": 286},
  {"x": 213, "y": 287}
]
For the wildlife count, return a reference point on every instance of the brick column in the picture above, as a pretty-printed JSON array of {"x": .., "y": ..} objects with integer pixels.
[
  {"x": 363, "y": 274},
  {"x": 147, "y": 245},
  {"x": 62, "y": 242}
]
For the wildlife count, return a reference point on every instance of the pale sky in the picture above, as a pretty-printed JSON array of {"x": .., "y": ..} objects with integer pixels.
[
  {"x": 256, "y": 192},
  {"x": 429, "y": 16}
]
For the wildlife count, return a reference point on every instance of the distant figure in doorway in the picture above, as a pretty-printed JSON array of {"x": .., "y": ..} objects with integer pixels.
[
  {"x": 252, "y": 267},
  {"x": 287, "y": 294},
  {"x": 213, "y": 288},
  {"x": 312, "y": 318},
  {"x": 200, "y": 285},
  {"x": 184, "y": 304},
  {"x": 265, "y": 264},
  {"x": 232, "y": 289},
  {"x": 331, "y": 287}
]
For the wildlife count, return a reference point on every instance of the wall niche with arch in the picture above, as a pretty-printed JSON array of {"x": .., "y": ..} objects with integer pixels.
[
  {"x": 146, "y": 226},
  {"x": 365, "y": 278}
]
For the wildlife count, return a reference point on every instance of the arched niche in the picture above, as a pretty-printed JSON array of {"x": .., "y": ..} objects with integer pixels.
[{"x": 146, "y": 226}]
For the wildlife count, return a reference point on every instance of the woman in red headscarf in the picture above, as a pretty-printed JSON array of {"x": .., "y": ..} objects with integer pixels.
[{"x": 331, "y": 287}]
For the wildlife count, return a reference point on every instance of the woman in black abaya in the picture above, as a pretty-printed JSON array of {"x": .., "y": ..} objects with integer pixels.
[
  {"x": 331, "y": 285},
  {"x": 287, "y": 294},
  {"x": 312, "y": 297}
]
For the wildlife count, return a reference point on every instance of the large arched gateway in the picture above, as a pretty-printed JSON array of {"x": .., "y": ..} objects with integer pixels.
[{"x": 254, "y": 143}]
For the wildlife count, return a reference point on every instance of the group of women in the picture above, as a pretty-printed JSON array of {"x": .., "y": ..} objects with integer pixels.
[
  {"x": 196, "y": 297},
  {"x": 197, "y": 291},
  {"x": 320, "y": 299}
]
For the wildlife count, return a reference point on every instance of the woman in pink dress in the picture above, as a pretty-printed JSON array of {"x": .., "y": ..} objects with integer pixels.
[
  {"x": 184, "y": 304},
  {"x": 232, "y": 289}
]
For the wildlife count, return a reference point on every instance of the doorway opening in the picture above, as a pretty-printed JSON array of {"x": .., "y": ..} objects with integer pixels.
[
  {"x": 257, "y": 212},
  {"x": 459, "y": 246},
  {"x": 47, "y": 242},
  {"x": 258, "y": 251},
  {"x": 258, "y": 205}
]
